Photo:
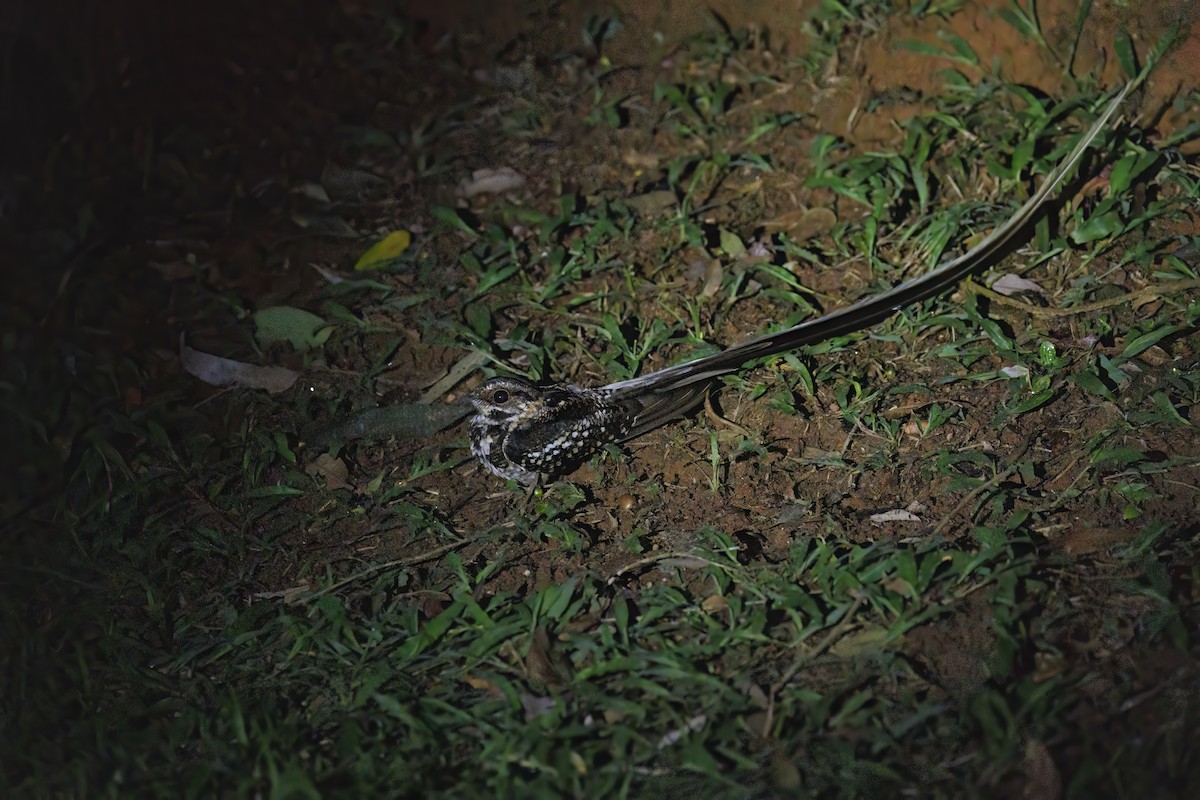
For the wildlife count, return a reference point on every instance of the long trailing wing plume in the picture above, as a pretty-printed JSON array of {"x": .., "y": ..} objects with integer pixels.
[{"x": 678, "y": 384}]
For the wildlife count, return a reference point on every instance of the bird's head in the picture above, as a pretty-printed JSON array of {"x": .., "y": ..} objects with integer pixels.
[{"x": 503, "y": 400}]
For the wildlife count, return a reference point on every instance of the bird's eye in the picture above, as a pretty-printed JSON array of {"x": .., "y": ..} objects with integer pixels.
[{"x": 499, "y": 397}]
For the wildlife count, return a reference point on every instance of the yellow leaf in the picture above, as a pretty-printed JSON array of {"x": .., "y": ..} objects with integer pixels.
[{"x": 384, "y": 250}]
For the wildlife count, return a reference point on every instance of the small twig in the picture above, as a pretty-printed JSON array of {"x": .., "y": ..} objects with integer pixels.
[
  {"x": 782, "y": 88},
  {"x": 399, "y": 562},
  {"x": 807, "y": 658},
  {"x": 971, "y": 495},
  {"x": 719, "y": 421},
  {"x": 1099, "y": 305},
  {"x": 649, "y": 560},
  {"x": 830, "y": 637}
]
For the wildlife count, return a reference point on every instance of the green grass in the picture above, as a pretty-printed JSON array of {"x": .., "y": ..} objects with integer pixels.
[{"x": 978, "y": 555}]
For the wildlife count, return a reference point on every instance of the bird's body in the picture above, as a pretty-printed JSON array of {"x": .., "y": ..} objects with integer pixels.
[{"x": 524, "y": 432}]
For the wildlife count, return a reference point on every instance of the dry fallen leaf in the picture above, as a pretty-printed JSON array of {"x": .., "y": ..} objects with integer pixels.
[
  {"x": 653, "y": 203},
  {"x": 641, "y": 161},
  {"x": 1042, "y": 779},
  {"x": 292, "y": 596},
  {"x": 802, "y": 223},
  {"x": 490, "y": 181},
  {"x": 225, "y": 372},
  {"x": 895, "y": 515},
  {"x": 333, "y": 470},
  {"x": 1010, "y": 284},
  {"x": 540, "y": 666},
  {"x": 714, "y": 273},
  {"x": 714, "y": 604},
  {"x": 1081, "y": 540}
]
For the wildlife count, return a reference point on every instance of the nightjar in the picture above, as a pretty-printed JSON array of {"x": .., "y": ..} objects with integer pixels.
[{"x": 527, "y": 432}]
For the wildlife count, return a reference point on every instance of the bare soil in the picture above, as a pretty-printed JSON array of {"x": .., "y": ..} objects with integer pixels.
[{"x": 668, "y": 473}]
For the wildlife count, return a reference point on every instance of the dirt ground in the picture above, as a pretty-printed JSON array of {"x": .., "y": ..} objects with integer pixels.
[{"x": 667, "y": 475}]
